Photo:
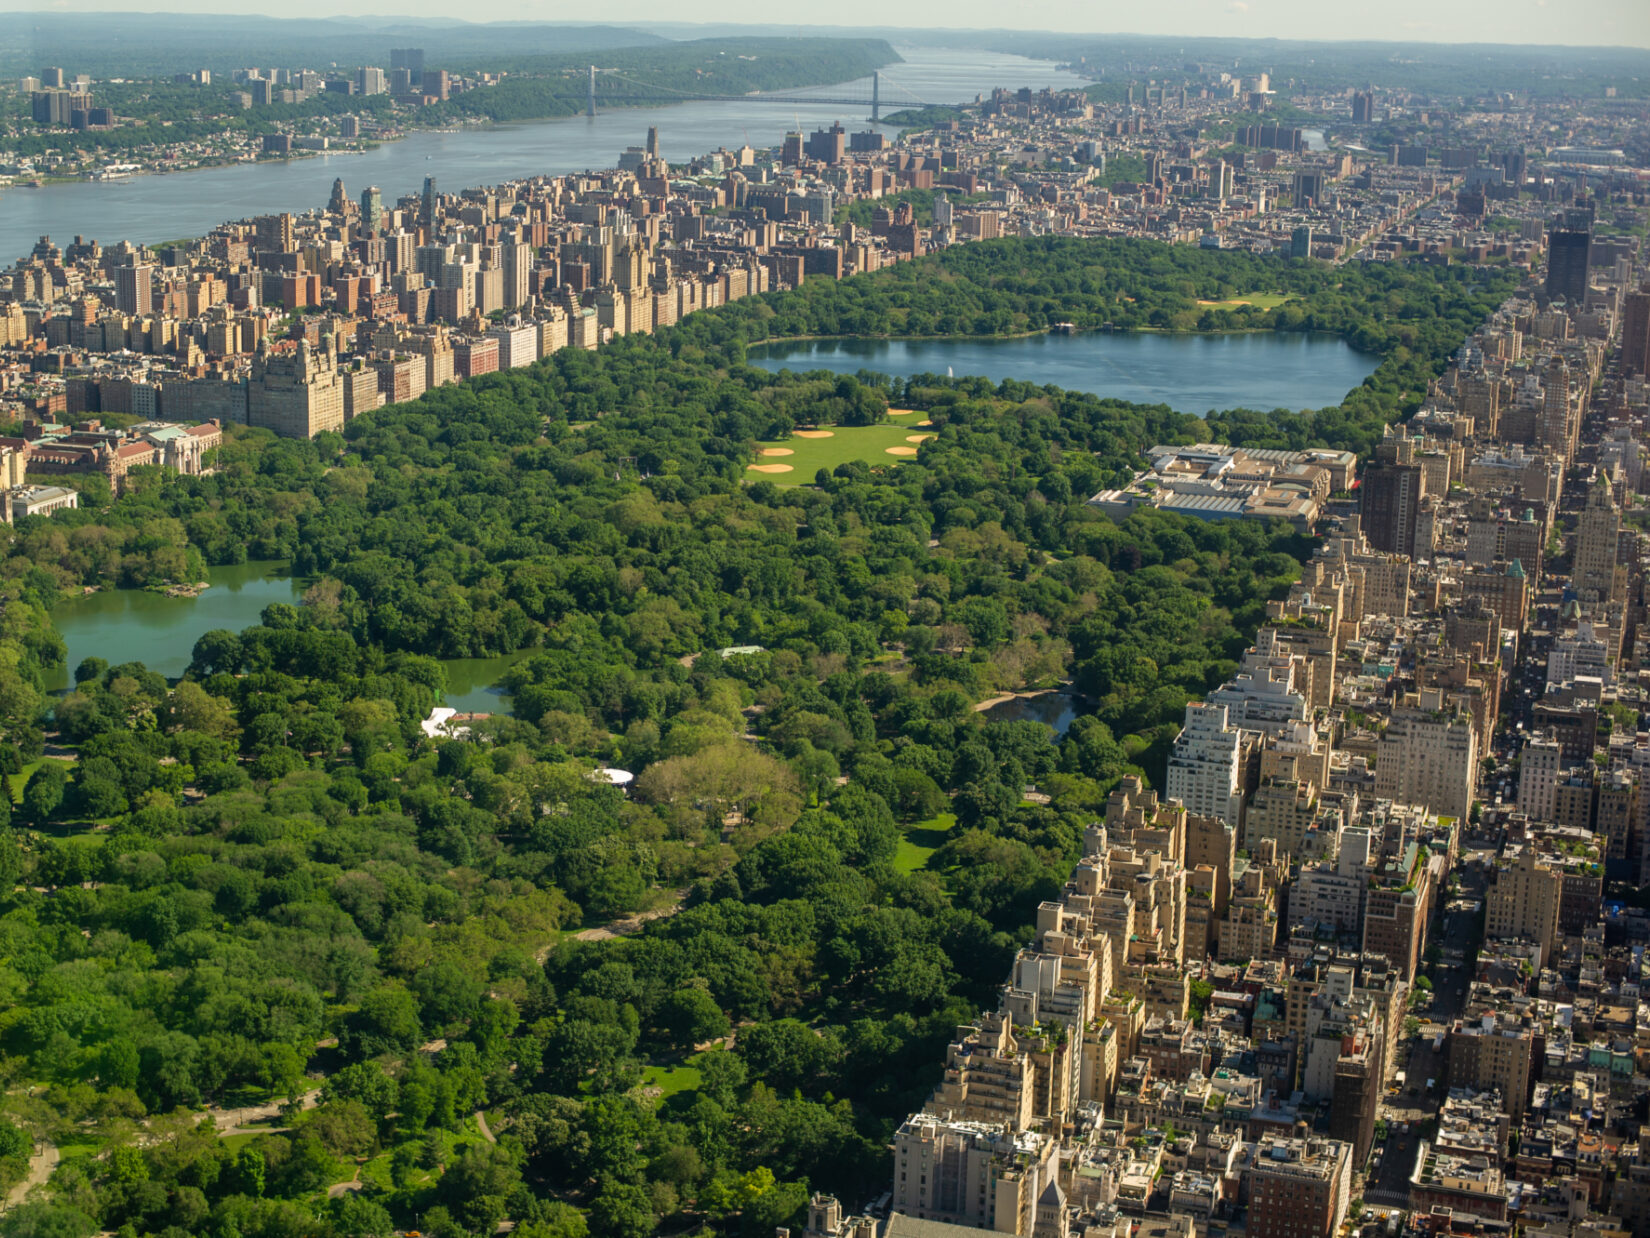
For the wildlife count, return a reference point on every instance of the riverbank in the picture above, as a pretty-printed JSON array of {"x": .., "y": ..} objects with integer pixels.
[
  {"x": 565, "y": 107},
  {"x": 150, "y": 208}
]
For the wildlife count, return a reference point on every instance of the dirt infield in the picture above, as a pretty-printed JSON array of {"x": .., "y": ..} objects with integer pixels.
[
  {"x": 777, "y": 451},
  {"x": 814, "y": 433},
  {"x": 769, "y": 468},
  {"x": 901, "y": 451}
]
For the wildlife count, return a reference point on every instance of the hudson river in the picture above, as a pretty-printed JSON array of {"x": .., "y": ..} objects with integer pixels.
[{"x": 148, "y": 209}]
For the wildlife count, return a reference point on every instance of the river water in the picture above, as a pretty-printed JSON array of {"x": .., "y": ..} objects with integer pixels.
[
  {"x": 1190, "y": 373},
  {"x": 147, "y": 209}
]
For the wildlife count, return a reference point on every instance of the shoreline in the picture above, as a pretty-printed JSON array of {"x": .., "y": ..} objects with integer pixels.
[
  {"x": 1003, "y": 698},
  {"x": 1010, "y": 336},
  {"x": 448, "y": 126}
]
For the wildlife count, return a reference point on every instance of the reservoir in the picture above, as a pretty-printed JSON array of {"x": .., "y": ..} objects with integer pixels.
[
  {"x": 1190, "y": 373},
  {"x": 149, "y": 209},
  {"x": 134, "y": 625}
]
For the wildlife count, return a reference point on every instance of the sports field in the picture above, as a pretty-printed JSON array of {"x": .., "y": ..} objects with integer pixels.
[
  {"x": 1260, "y": 300},
  {"x": 795, "y": 460}
]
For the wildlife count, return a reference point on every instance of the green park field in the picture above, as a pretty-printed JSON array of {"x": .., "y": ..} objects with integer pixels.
[
  {"x": 1260, "y": 300},
  {"x": 795, "y": 460}
]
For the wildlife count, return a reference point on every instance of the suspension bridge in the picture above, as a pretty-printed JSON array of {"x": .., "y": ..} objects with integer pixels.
[{"x": 628, "y": 91}]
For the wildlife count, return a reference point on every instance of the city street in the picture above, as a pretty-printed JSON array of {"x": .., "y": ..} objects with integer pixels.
[{"x": 1388, "y": 1184}]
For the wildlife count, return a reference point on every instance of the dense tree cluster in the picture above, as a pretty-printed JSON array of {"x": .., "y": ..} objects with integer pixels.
[{"x": 685, "y": 1006}]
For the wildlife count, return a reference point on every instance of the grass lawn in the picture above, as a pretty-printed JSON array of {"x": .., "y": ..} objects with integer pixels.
[
  {"x": 921, "y": 840},
  {"x": 77, "y": 1151},
  {"x": 20, "y": 781},
  {"x": 808, "y": 455},
  {"x": 1260, "y": 300},
  {"x": 670, "y": 1080}
]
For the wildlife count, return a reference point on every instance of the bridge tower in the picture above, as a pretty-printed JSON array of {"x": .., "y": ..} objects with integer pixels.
[
  {"x": 590, "y": 95},
  {"x": 876, "y": 92}
]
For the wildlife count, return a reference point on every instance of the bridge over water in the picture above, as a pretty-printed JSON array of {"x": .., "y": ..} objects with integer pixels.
[{"x": 626, "y": 88}]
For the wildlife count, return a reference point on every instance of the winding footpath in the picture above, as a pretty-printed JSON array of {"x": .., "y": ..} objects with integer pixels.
[{"x": 41, "y": 1165}]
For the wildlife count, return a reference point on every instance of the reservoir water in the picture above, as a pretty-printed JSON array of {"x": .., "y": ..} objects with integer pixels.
[
  {"x": 148, "y": 209},
  {"x": 134, "y": 625},
  {"x": 1190, "y": 373}
]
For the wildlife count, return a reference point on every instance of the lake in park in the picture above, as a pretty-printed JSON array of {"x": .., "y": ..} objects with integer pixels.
[
  {"x": 134, "y": 625},
  {"x": 1057, "y": 710},
  {"x": 1190, "y": 373}
]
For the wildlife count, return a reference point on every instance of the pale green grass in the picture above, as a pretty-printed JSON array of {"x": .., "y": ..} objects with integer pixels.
[
  {"x": 1260, "y": 300},
  {"x": 867, "y": 443}
]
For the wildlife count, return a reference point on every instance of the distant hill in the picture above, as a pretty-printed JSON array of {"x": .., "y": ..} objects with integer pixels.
[{"x": 139, "y": 44}]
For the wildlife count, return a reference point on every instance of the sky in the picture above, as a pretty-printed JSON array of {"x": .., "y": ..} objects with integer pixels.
[{"x": 1593, "y": 22}]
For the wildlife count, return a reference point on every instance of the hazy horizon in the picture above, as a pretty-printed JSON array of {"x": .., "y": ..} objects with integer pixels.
[{"x": 1535, "y": 23}]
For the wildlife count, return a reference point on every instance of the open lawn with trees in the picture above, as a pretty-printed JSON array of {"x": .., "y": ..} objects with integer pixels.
[{"x": 798, "y": 459}]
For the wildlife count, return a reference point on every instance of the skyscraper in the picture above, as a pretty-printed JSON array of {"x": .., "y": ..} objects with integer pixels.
[
  {"x": 429, "y": 202},
  {"x": 1390, "y": 501},
  {"x": 518, "y": 270},
  {"x": 1568, "y": 254},
  {"x": 1206, "y": 763},
  {"x": 133, "y": 289},
  {"x": 1560, "y": 426},
  {"x": 372, "y": 208},
  {"x": 410, "y": 59},
  {"x": 1597, "y": 530},
  {"x": 1635, "y": 333}
]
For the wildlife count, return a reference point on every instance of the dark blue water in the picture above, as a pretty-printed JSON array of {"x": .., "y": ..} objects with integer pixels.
[
  {"x": 1054, "y": 709},
  {"x": 1190, "y": 373}
]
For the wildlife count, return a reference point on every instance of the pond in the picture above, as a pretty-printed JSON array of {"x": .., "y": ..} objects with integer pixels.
[
  {"x": 134, "y": 625},
  {"x": 1190, "y": 373},
  {"x": 1054, "y": 709}
]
